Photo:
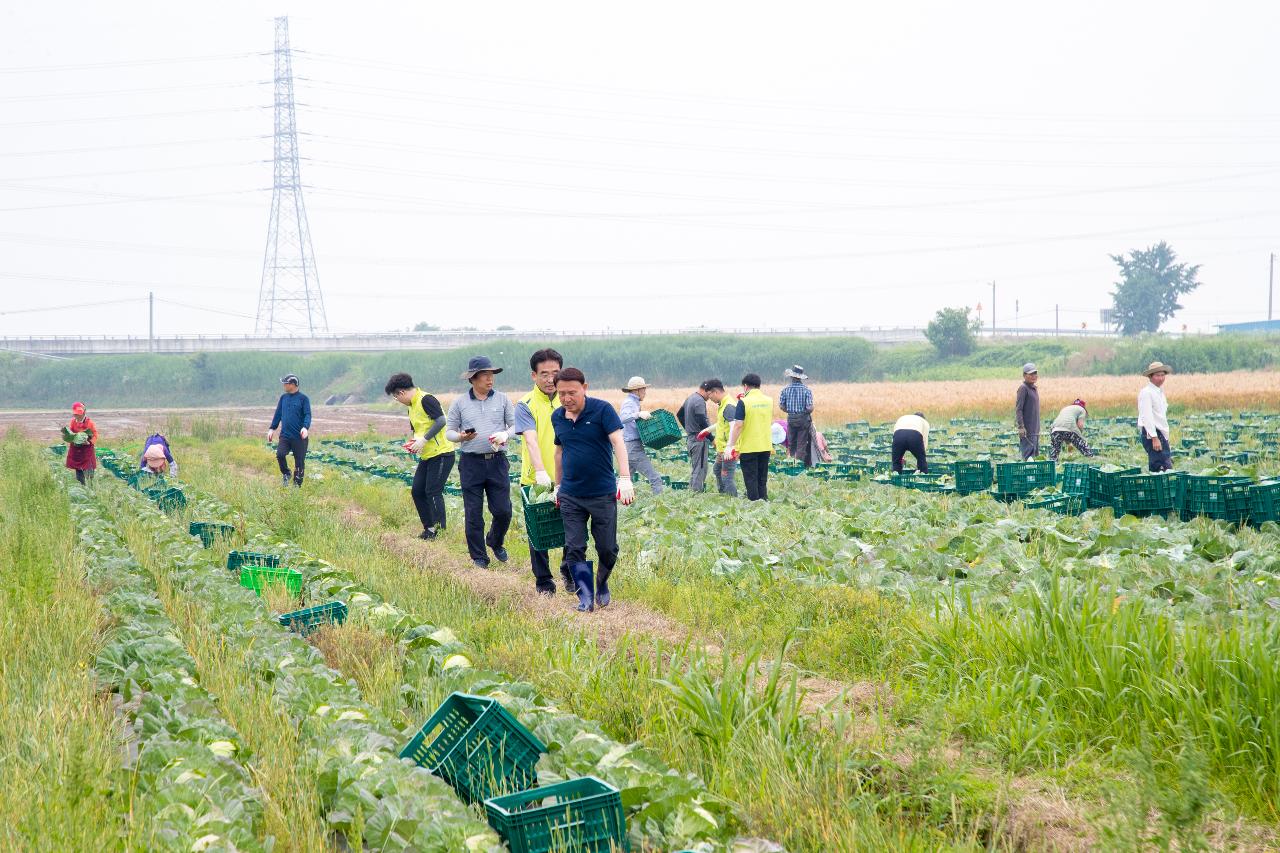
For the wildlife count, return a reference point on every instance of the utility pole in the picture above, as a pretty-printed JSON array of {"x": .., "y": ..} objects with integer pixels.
[
  {"x": 993, "y": 310},
  {"x": 289, "y": 299},
  {"x": 1271, "y": 283},
  {"x": 151, "y": 321},
  {"x": 1056, "y": 328}
]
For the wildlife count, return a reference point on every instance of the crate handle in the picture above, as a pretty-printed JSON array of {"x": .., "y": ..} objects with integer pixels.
[{"x": 569, "y": 825}]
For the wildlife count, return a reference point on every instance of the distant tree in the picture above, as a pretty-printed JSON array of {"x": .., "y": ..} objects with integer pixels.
[
  {"x": 1150, "y": 283},
  {"x": 506, "y": 329},
  {"x": 424, "y": 326},
  {"x": 952, "y": 332}
]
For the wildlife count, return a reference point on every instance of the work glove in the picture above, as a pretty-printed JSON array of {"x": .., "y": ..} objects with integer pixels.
[
  {"x": 626, "y": 491},
  {"x": 542, "y": 478},
  {"x": 702, "y": 436},
  {"x": 729, "y": 454},
  {"x": 555, "y": 496},
  {"x": 643, "y": 415},
  {"x": 498, "y": 440},
  {"x": 303, "y": 432},
  {"x": 415, "y": 446}
]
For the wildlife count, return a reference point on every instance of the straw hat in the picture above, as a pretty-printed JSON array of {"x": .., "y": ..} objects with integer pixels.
[
  {"x": 1157, "y": 367},
  {"x": 795, "y": 372},
  {"x": 635, "y": 383}
]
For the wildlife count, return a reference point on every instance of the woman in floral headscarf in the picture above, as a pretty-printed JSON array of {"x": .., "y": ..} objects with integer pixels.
[{"x": 82, "y": 458}]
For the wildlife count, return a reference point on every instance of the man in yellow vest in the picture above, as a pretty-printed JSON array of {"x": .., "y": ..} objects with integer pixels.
[
  {"x": 750, "y": 438},
  {"x": 718, "y": 432},
  {"x": 434, "y": 452},
  {"x": 538, "y": 451}
]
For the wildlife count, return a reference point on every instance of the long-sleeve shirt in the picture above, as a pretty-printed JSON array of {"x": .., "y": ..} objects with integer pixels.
[
  {"x": 1026, "y": 410},
  {"x": 916, "y": 423},
  {"x": 1069, "y": 420},
  {"x": 796, "y": 398},
  {"x": 627, "y": 414},
  {"x": 1153, "y": 411},
  {"x": 492, "y": 414},
  {"x": 293, "y": 413},
  {"x": 695, "y": 414}
]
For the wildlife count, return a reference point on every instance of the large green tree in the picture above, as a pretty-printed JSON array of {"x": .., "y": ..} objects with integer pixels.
[
  {"x": 952, "y": 332},
  {"x": 1151, "y": 280}
]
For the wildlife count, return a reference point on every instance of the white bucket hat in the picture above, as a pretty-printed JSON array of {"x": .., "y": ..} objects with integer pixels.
[{"x": 635, "y": 383}]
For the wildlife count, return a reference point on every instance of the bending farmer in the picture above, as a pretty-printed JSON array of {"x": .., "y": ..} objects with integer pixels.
[{"x": 434, "y": 452}]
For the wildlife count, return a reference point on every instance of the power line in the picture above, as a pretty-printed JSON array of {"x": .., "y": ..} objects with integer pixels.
[
  {"x": 135, "y": 117},
  {"x": 71, "y": 306},
  {"x": 76, "y": 96},
  {"x": 125, "y": 63},
  {"x": 94, "y": 149}
]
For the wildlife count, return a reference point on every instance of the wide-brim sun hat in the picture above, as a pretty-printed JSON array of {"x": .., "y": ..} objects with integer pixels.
[
  {"x": 1157, "y": 367},
  {"x": 635, "y": 383},
  {"x": 476, "y": 364},
  {"x": 795, "y": 371}
]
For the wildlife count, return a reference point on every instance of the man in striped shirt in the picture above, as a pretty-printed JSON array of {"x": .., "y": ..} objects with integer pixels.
[
  {"x": 481, "y": 421},
  {"x": 797, "y": 401}
]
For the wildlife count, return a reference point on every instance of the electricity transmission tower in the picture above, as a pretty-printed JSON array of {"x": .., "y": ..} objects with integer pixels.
[{"x": 289, "y": 299}]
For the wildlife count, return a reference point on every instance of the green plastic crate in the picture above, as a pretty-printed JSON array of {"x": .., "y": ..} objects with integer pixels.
[
  {"x": 1019, "y": 478},
  {"x": 170, "y": 500},
  {"x": 310, "y": 618},
  {"x": 1104, "y": 486},
  {"x": 583, "y": 815},
  {"x": 1208, "y": 496},
  {"x": 208, "y": 531},
  {"x": 1264, "y": 502},
  {"x": 659, "y": 429},
  {"x": 257, "y": 577},
  {"x": 542, "y": 523},
  {"x": 236, "y": 559},
  {"x": 974, "y": 475},
  {"x": 478, "y": 747},
  {"x": 1076, "y": 477},
  {"x": 1062, "y": 504},
  {"x": 1145, "y": 493}
]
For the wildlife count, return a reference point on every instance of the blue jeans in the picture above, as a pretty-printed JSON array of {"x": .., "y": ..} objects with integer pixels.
[{"x": 1158, "y": 460}]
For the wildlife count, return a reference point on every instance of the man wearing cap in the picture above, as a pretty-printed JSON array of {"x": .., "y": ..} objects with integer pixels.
[
  {"x": 696, "y": 419},
  {"x": 481, "y": 421},
  {"x": 1153, "y": 418},
  {"x": 1068, "y": 428},
  {"x": 293, "y": 417},
  {"x": 1026, "y": 413},
  {"x": 629, "y": 413},
  {"x": 797, "y": 401}
]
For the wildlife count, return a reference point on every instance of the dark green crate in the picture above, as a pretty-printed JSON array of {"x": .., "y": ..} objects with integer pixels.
[
  {"x": 236, "y": 559},
  {"x": 1076, "y": 477},
  {"x": 258, "y": 577},
  {"x": 1147, "y": 493},
  {"x": 1104, "y": 486},
  {"x": 1019, "y": 478},
  {"x": 542, "y": 523},
  {"x": 1062, "y": 504},
  {"x": 478, "y": 747},
  {"x": 659, "y": 429},
  {"x": 209, "y": 531},
  {"x": 310, "y": 618},
  {"x": 679, "y": 485},
  {"x": 1264, "y": 502},
  {"x": 1207, "y": 495},
  {"x": 169, "y": 500},
  {"x": 975, "y": 475},
  {"x": 583, "y": 815}
]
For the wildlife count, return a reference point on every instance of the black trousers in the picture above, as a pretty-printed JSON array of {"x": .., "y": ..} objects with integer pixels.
[
  {"x": 602, "y": 513},
  {"x": 296, "y": 446},
  {"x": 541, "y": 564},
  {"x": 755, "y": 474},
  {"x": 1157, "y": 460},
  {"x": 428, "y": 489},
  {"x": 485, "y": 476},
  {"x": 800, "y": 437},
  {"x": 909, "y": 441}
]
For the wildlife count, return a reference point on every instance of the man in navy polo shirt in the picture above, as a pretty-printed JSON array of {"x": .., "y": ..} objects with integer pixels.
[{"x": 588, "y": 439}]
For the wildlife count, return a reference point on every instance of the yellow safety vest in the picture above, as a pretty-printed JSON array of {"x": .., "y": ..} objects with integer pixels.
[
  {"x": 540, "y": 406},
  {"x": 420, "y": 422},
  {"x": 722, "y": 425},
  {"x": 755, "y": 435}
]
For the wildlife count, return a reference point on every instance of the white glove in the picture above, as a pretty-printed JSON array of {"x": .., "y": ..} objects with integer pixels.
[
  {"x": 555, "y": 496},
  {"x": 498, "y": 440},
  {"x": 415, "y": 446},
  {"x": 271, "y": 434},
  {"x": 303, "y": 432},
  {"x": 626, "y": 491},
  {"x": 643, "y": 415},
  {"x": 542, "y": 478}
]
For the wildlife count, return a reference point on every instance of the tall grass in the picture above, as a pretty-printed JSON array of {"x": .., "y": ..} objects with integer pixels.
[
  {"x": 61, "y": 747},
  {"x": 1076, "y": 671}
]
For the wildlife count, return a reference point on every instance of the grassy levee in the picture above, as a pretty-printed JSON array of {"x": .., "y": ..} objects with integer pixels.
[
  {"x": 810, "y": 784},
  {"x": 60, "y": 742}
]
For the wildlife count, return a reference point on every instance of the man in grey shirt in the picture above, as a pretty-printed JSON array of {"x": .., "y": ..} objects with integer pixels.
[
  {"x": 481, "y": 421},
  {"x": 1026, "y": 413},
  {"x": 694, "y": 415}
]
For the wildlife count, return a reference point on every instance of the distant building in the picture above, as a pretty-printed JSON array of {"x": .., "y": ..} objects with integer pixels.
[{"x": 1257, "y": 326}]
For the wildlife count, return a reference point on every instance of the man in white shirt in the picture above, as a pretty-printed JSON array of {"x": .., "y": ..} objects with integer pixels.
[{"x": 1153, "y": 418}]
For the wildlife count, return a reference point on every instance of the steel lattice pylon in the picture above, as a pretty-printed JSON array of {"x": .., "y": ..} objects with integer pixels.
[{"x": 289, "y": 299}]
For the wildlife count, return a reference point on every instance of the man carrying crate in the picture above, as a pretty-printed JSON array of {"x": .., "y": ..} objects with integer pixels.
[
  {"x": 588, "y": 438},
  {"x": 538, "y": 452},
  {"x": 630, "y": 412}
]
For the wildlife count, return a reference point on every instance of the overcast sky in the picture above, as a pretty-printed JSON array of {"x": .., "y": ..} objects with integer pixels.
[{"x": 656, "y": 165}]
